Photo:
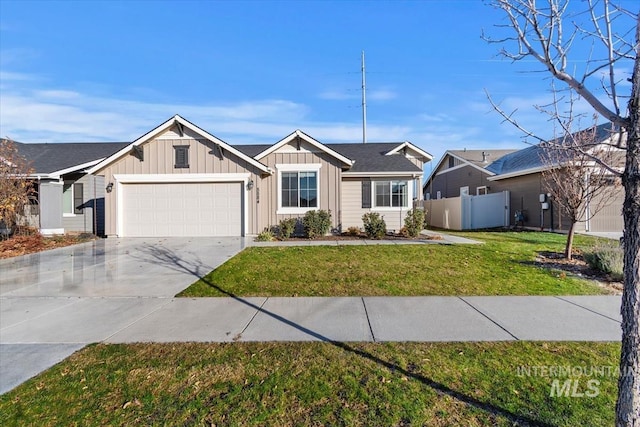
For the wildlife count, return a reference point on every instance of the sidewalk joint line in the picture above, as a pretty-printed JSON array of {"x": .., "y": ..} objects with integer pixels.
[
  {"x": 588, "y": 309},
  {"x": 169, "y": 300},
  {"x": 366, "y": 313},
  {"x": 488, "y": 318},
  {"x": 258, "y": 310}
]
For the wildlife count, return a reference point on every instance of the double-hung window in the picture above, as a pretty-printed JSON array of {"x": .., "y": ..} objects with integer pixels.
[
  {"x": 391, "y": 194},
  {"x": 72, "y": 199},
  {"x": 298, "y": 189}
]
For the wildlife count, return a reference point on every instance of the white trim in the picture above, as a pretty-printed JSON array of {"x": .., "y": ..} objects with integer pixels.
[
  {"x": 464, "y": 190},
  {"x": 179, "y": 177},
  {"x": 519, "y": 173},
  {"x": 460, "y": 166},
  {"x": 391, "y": 208},
  {"x": 449, "y": 153},
  {"x": 167, "y": 125},
  {"x": 402, "y": 174},
  {"x": 123, "y": 179},
  {"x": 51, "y": 231},
  {"x": 58, "y": 174},
  {"x": 413, "y": 148},
  {"x": 299, "y": 134},
  {"x": 298, "y": 167},
  {"x": 295, "y": 167},
  {"x": 482, "y": 187}
]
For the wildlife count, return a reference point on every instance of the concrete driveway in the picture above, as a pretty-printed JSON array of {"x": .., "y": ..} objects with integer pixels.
[{"x": 54, "y": 302}]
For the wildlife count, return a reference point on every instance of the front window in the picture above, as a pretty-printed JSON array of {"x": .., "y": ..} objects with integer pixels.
[
  {"x": 299, "y": 189},
  {"x": 67, "y": 199},
  {"x": 391, "y": 194}
]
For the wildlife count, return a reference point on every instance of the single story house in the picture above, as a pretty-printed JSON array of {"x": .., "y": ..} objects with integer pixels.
[
  {"x": 66, "y": 198},
  {"x": 478, "y": 172},
  {"x": 179, "y": 180}
]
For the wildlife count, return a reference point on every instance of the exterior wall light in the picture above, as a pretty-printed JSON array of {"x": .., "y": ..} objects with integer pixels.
[
  {"x": 250, "y": 184},
  {"x": 109, "y": 187}
]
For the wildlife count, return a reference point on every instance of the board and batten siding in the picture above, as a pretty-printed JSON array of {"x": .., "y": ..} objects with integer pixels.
[
  {"x": 329, "y": 178},
  {"x": 205, "y": 157}
]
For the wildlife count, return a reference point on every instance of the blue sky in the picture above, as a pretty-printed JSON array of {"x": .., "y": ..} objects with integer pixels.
[{"x": 254, "y": 71}]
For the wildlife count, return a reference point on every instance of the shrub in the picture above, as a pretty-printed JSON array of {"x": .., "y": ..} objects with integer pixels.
[
  {"x": 287, "y": 227},
  {"x": 414, "y": 222},
  {"x": 353, "y": 231},
  {"x": 265, "y": 236},
  {"x": 374, "y": 225},
  {"x": 607, "y": 259},
  {"x": 316, "y": 223}
]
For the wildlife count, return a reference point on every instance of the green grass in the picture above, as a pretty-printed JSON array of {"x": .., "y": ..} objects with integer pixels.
[
  {"x": 501, "y": 266},
  {"x": 280, "y": 384}
]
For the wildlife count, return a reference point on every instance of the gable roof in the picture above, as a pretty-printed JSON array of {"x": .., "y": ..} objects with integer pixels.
[
  {"x": 59, "y": 158},
  {"x": 182, "y": 123},
  {"x": 478, "y": 159},
  {"x": 369, "y": 157},
  {"x": 299, "y": 134}
]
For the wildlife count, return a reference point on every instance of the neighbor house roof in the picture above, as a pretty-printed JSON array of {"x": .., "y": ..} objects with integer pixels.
[
  {"x": 479, "y": 159},
  {"x": 535, "y": 158},
  {"x": 56, "y": 159}
]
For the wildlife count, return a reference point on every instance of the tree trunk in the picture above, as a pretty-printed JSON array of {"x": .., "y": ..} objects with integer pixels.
[
  {"x": 628, "y": 404},
  {"x": 568, "y": 248}
]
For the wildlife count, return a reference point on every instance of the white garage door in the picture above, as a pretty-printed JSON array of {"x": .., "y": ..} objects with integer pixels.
[{"x": 182, "y": 209}]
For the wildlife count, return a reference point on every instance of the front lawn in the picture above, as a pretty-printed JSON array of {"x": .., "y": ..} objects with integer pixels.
[
  {"x": 280, "y": 384},
  {"x": 503, "y": 265}
]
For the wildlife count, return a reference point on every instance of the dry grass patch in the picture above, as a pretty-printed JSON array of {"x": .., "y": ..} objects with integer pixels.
[
  {"x": 282, "y": 384},
  {"x": 23, "y": 245}
]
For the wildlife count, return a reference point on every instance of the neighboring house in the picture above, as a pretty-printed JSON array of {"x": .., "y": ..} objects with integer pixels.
[
  {"x": 179, "y": 180},
  {"x": 477, "y": 172},
  {"x": 66, "y": 198},
  {"x": 462, "y": 172}
]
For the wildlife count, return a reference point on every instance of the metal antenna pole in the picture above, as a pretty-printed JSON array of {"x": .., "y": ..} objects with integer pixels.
[{"x": 364, "y": 104}]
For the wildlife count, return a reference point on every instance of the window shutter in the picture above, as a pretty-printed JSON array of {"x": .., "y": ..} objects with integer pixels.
[
  {"x": 366, "y": 194},
  {"x": 78, "y": 198}
]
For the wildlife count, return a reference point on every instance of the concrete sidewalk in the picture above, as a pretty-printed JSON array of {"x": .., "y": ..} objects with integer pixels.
[{"x": 34, "y": 327}]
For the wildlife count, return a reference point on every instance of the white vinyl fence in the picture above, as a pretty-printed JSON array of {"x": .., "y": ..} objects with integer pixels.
[{"x": 469, "y": 212}]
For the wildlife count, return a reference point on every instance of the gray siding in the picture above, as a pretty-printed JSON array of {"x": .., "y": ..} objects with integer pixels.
[
  {"x": 93, "y": 195},
  {"x": 449, "y": 183},
  {"x": 50, "y": 199}
]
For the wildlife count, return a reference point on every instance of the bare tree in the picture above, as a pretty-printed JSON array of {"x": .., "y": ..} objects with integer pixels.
[
  {"x": 580, "y": 187},
  {"x": 15, "y": 190},
  {"x": 606, "y": 37}
]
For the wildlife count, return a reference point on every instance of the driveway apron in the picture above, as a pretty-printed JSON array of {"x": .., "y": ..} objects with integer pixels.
[{"x": 53, "y": 303}]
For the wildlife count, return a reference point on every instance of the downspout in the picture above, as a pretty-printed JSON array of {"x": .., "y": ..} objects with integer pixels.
[{"x": 39, "y": 210}]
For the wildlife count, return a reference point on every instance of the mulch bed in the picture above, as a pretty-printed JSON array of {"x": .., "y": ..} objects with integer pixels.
[
  {"x": 577, "y": 266},
  {"x": 22, "y": 245},
  {"x": 346, "y": 236}
]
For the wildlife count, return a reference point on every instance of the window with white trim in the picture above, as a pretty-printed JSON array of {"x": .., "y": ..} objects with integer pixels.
[
  {"x": 391, "y": 194},
  {"x": 299, "y": 189},
  {"x": 67, "y": 199},
  {"x": 482, "y": 190},
  {"x": 464, "y": 191},
  {"x": 72, "y": 199}
]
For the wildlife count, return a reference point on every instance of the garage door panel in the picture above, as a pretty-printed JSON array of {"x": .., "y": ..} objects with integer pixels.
[{"x": 182, "y": 209}]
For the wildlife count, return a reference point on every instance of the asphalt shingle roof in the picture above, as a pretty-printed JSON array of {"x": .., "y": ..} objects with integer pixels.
[
  {"x": 369, "y": 157},
  {"x": 536, "y": 155},
  {"x": 476, "y": 156},
  {"x": 48, "y": 158}
]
